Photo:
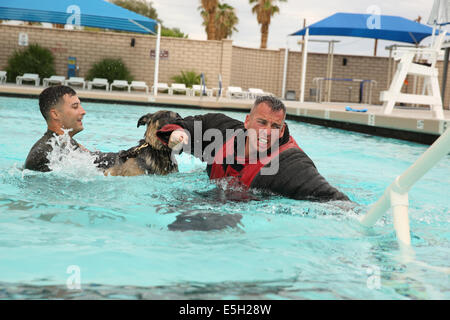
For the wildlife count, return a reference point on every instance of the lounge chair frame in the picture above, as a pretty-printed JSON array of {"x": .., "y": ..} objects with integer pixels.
[
  {"x": 178, "y": 87},
  {"x": 98, "y": 82},
  {"x": 2, "y": 77},
  {"x": 237, "y": 92},
  {"x": 120, "y": 84},
  {"x": 139, "y": 85},
  {"x": 28, "y": 77},
  {"x": 53, "y": 80},
  {"x": 76, "y": 81},
  {"x": 161, "y": 86}
]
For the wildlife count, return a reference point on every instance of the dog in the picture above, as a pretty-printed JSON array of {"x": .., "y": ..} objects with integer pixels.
[{"x": 151, "y": 156}]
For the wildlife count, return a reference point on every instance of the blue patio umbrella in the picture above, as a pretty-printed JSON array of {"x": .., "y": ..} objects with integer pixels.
[
  {"x": 372, "y": 26},
  {"x": 369, "y": 26},
  {"x": 90, "y": 13}
]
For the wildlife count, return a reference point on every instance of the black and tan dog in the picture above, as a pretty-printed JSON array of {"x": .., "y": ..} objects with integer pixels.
[{"x": 151, "y": 156}]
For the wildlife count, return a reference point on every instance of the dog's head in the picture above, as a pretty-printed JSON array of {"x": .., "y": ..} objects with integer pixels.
[{"x": 154, "y": 122}]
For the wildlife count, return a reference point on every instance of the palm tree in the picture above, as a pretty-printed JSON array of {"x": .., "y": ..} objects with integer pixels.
[
  {"x": 210, "y": 7},
  {"x": 264, "y": 10},
  {"x": 225, "y": 21}
]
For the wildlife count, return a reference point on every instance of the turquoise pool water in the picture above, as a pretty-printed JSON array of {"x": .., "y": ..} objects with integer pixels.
[{"x": 114, "y": 229}]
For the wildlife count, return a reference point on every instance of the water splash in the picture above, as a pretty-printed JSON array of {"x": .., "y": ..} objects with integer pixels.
[{"x": 68, "y": 159}]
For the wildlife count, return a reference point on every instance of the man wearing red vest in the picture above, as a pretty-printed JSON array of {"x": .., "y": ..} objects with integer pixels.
[{"x": 259, "y": 153}]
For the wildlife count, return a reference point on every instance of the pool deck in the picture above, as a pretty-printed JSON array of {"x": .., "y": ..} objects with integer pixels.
[{"x": 404, "y": 123}]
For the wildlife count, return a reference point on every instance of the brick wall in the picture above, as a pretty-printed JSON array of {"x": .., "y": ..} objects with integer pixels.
[
  {"x": 357, "y": 67},
  {"x": 262, "y": 67},
  {"x": 243, "y": 67},
  {"x": 210, "y": 57},
  {"x": 253, "y": 68}
]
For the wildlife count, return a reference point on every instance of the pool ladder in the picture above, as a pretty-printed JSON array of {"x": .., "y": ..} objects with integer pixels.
[{"x": 396, "y": 194}]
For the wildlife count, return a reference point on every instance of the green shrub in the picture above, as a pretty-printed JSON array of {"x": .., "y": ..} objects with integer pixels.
[
  {"x": 189, "y": 78},
  {"x": 34, "y": 59},
  {"x": 111, "y": 69}
]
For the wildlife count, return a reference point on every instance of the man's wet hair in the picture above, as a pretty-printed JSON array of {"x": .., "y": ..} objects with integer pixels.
[
  {"x": 52, "y": 96},
  {"x": 275, "y": 104}
]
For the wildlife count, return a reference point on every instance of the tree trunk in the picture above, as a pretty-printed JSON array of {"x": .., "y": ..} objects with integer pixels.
[
  {"x": 264, "y": 35},
  {"x": 212, "y": 26}
]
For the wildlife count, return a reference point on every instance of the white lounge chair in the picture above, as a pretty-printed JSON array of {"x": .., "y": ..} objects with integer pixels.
[
  {"x": 161, "y": 86},
  {"x": 139, "y": 85},
  {"x": 178, "y": 87},
  {"x": 255, "y": 92},
  {"x": 98, "y": 82},
  {"x": 53, "y": 80},
  {"x": 120, "y": 84},
  {"x": 2, "y": 77},
  {"x": 28, "y": 77},
  {"x": 199, "y": 88},
  {"x": 236, "y": 92},
  {"x": 78, "y": 81}
]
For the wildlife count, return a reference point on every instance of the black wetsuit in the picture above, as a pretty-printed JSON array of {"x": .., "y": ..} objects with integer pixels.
[
  {"x": 296, "y": 178},
  {"x": 37, "y": 157}
]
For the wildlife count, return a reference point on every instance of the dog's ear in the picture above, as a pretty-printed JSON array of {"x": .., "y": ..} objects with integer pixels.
[{"x": 144, "y": 120}]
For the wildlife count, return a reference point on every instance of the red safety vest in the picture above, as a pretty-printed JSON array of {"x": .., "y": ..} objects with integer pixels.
[{"x": 250, "y": 170}]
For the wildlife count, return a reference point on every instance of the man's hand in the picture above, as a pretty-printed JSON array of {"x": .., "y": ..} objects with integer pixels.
[{"x": 177, "y": 139}]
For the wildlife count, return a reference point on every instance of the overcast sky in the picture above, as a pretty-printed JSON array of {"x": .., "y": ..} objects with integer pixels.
[{"x": 185, "y": 15}]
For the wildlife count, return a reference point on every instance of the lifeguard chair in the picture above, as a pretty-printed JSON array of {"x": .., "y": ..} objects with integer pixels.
[{"x": 431, "y": 95}]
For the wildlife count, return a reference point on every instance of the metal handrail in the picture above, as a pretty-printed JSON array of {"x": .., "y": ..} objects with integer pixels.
[
  {"x": 318, "y": 81},
  {"x": 396, "y": 194}
]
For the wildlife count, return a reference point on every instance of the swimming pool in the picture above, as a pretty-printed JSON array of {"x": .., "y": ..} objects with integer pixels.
[{"x": 111, "y": 232}]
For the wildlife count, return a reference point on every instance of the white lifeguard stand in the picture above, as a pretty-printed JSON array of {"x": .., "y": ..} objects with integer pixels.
[
  {"x": 431, "y": 94},
  {"x": 396, "y": 194}
]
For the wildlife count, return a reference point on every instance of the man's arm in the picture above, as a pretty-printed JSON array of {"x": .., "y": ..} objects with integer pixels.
[
  {"x": 191, "y": 131},
  {"x": 37, "y": 160},
  {"x": 297, "y": 178}
]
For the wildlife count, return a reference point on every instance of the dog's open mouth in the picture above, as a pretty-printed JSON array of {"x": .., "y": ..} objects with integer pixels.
[{"x": 156, "y": 121}]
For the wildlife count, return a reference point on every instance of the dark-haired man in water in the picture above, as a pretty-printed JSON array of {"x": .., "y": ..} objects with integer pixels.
[{"x": 61, "y": 109}]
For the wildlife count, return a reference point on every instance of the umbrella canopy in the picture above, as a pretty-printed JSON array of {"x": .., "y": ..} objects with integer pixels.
[
  {"x": 440, "y": 13},
  {"x": 361, "y": 25},
  {"x": 91, "y": 13}
]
